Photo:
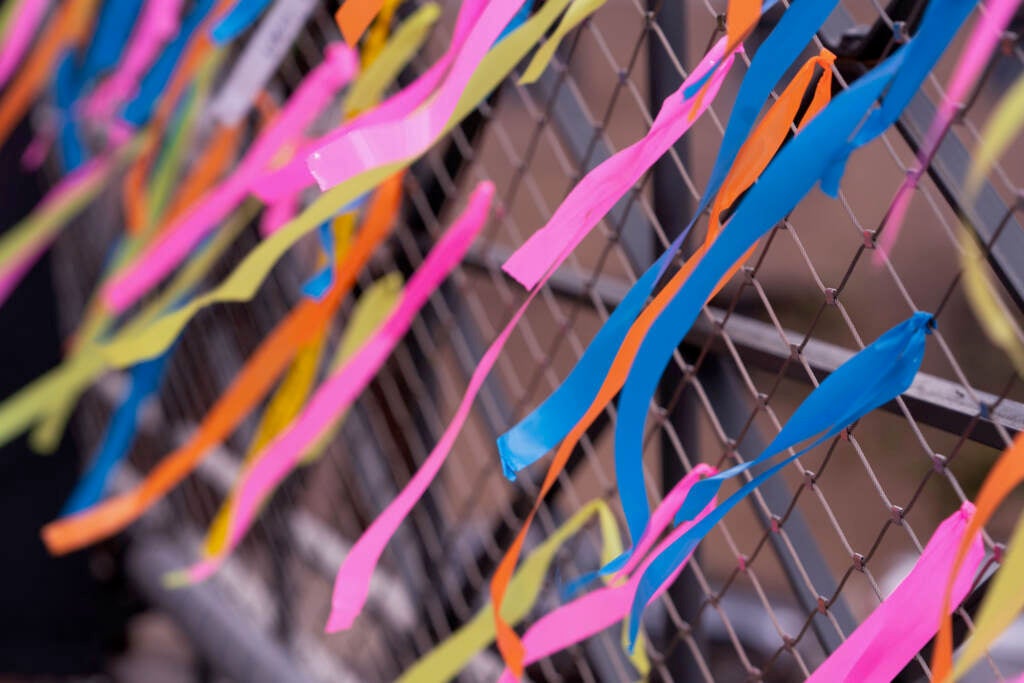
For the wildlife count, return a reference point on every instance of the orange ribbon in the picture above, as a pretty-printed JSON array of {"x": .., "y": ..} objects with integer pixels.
[
  {"x": 306, "y": 322},
  {"x": 752, "y": 159},
  {"x": 355, "y": 16}
]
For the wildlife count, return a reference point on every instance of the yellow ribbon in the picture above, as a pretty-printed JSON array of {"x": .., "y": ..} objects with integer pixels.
[
  {"x": 574, "y": 16},
  {"x": 446, "y": 660}
]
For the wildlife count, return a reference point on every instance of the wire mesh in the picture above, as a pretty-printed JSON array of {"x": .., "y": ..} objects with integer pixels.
[{"x": 852, "y": 514}]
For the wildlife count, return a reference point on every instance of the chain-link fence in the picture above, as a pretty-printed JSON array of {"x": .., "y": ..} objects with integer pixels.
[{"x": 778, "y": 584}]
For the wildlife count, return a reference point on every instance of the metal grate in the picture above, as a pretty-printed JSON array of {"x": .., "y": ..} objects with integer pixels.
[{"x": 784, "y": 579}]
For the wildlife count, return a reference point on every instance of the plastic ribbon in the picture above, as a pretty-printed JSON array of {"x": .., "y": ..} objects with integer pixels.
[
  {"x": 24, "y": 17},
  {"x": 140, "y": 108},
  {"x": 110, "y": 36},
  {"x": 243, "y": 15},
  {"x": 893, "y": 360},
  {"x": 905, "y": 621},
  {"x": 294, "y": 176},
  {"x": 551, "y": 421},
  {"x": 316, "y": 287},
  {"x": 373, "y": 146},
  {"x": 262, "y": 56},
  {"x": 407, "y": 40},
  {"x": 600, "y": 189},
  {"x": 577, "y": 13},
  {"x": 250, "y": 385},
  {"x": 1002, "y": 479},
  {"x": 173, "y": 246},
  {"x": 245, "y": 279},
  {"x": 68, "y": 27},
  {"x": 587, "y": 615},
  {"x": 818, "y": 152},
  {"x": 117, "y": 440},
  {"x": 977, "y": 52},
  {"x": 369, "y": 312},
  {"x": 1003, "y": 602},
  {"x": 157, "y": 24},
  {"x": 344, "y": 386},
  {"x": 24, "y": 243},
  {"x": 355, "y": 16},
  {"x": 378, "y": 34},
  {"x": 445, "y": 661}
]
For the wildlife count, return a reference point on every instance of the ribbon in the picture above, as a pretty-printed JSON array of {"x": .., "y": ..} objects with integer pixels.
[
  {"x": 388, "y": 142},
  {"x": 245, "y": 279},
  {"x": 261, "y": 57},
  {"x": 1005, "y": 475},
  {"x": 587, "y": 615},
  {"x": 577, "y": 13},
  {"x": 67, "y": 28},
  {"x": 549, "y": 423},
  {"x": 344, "y": 386},
  {"x": 24, "y": 17},
  {"x": 243, "y": 15},
  {"x": 893, "y": 360},
  {"x": 446, "y": 660},
  {"x": 355, "y": 16},
  {"x": 251, "y": 384},
  {"x": 294, "y": 176},
  {"x": 406, "y": 42},
  {"x": 158, "y": 22},
  {"x": 117, "y": 440},
  {"x": 599, "y": 191},
  {"x": 368, "y": 314},
  {"x": 174, "y": 245},
  {"x": 975, "y": 55},
  {"x": 751, "y": 160},
  {"x": 818, "y": 152},
  {"x": 378, "y": 33},
  {"x": 905, "y": 621}
]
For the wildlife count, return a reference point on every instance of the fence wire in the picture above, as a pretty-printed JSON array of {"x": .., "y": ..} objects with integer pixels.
[{"x": 782, "y": 580}]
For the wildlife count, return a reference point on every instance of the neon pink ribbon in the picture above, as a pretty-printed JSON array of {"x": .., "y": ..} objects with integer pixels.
[
  {"x": 294, "y": 176},
  {"x": 351, "y": 585},
  {"x": 906, "y": 620},
  {"x": 581, "y": 618},
  {"x": 373, "y": 146},
  {"x": 598, "y": 192},
  {"x": 13, "y": 273},
  {"x": 175, "y": 244},
  {"x": 976, "y": 54},
  {"x": 342, "y": 388},
  {"x": 157, "y": 24},
  {"x": 23, "y": 28}
]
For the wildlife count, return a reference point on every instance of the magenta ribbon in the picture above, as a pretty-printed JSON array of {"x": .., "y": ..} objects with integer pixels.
[
  {"x": 977, "y": 52},
  {"x": 22, "y": 30},
  {"x": 338, "y": 392},
  {"x": 410, "y": 136},
  {"x": 906, "y": 620},
  {"x": 185, "y": 233},
  {"x": 589, "y": 614},
  {"x": 597, "y": 193}
]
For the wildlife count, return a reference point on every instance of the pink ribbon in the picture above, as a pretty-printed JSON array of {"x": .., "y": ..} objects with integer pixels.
[
  {"x": 352, "y": 583},
  {"x": 294, "y": 176},
  {"x": 907, "y": 619},
  {"x": 597, "y": 193},
  {"x": 342, "y": 388},
  {"x": 976, "y": 54},
  {"x": 23, "y": 28},
  {"x": 578, "y": 620},
  {"x": 157, "y": 24},
  {"x": 390, "y": 141},
  {"x": 182, "y": 236}
]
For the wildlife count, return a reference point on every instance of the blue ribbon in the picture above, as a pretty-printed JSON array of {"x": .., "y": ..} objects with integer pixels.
[
  {"x": 317, "y": 286},
  {"x": 818, "y": 152},
  {"x": 140, "y": 109},
  {"x": 117, "y": 440},
  {"x": 892, "y": 363},
  {"x": 110, "y": 35},
  {"x": 549, "y": 423},
  {"x": 243, "y": 15}
]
